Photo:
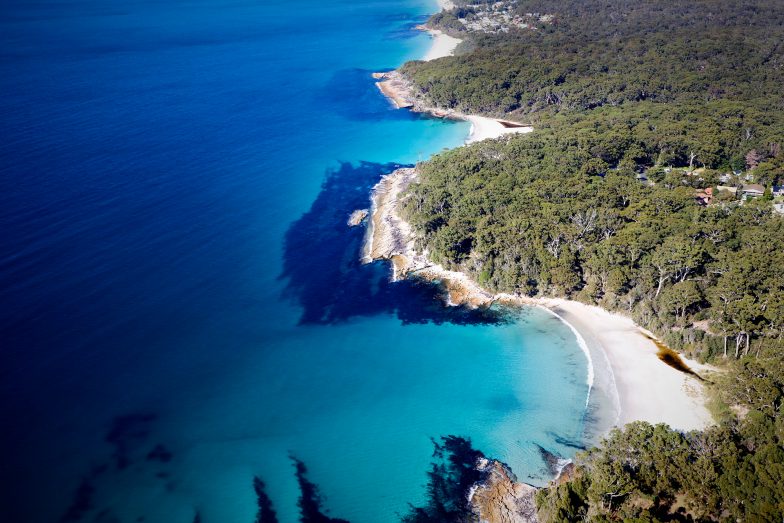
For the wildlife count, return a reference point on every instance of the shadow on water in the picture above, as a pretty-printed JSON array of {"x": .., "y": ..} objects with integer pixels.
[
  {"x": 81, "y": 503},
  {"x": 552, "y": 461},
  {"x": 452, "y": 472},
  {"x": 326, "y": 278},
  {"x": 127, "y": 432}
]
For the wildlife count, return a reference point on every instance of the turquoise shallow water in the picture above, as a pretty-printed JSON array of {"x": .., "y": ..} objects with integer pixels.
[{"x": 183, "y": 307}]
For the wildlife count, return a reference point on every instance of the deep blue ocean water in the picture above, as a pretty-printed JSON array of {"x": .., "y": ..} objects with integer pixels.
[{"x": 181, "y": 304}]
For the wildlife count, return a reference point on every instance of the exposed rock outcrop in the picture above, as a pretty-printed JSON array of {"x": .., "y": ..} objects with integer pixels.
[
  {"x": 402, "y": 93},
  {"x": 464, "y": 486},
  {"x": 357, "y": 217},
  {"x": 390, "y": 237},
  {"x": 499, "y": 497},
  {"x": 397, "y": 88}
]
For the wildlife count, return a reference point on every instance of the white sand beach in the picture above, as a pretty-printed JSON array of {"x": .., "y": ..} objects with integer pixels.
[
  {"x": 442, "y": 45},
  {"x": 483, "y": 128},
  {"x": 648, "y": 389}
]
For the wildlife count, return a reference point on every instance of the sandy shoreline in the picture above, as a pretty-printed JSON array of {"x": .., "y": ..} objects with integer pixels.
[
  {"x": 483, "y": 128},
  {"x": 441, "y": 46},
  {"x": 646, "y": 388},
  {"x": 627, "y": 379}
]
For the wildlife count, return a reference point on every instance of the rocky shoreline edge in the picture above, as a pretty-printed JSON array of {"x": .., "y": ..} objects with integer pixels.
[
  {"x": 499, "y": 497},
  {"x": 390, "y": 237}
]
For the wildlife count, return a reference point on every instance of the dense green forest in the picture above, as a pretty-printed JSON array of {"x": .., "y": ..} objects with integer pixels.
[
  {"x": 612, "y": 52},
  {"x": 536, "y": 215},
  {"x": 641, "y": 109}
]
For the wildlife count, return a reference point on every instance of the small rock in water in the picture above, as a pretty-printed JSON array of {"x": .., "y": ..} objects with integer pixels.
[{"x": 357, "y": 217}]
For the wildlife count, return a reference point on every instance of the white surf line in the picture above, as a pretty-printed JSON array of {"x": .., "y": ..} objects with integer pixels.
[{"x": 584, "y": 347}]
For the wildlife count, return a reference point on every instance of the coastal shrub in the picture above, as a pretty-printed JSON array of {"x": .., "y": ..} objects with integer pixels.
[{"x": 654, "y": 473}]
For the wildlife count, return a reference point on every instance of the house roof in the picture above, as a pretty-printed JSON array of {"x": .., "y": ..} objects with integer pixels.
[{"x": 753, "y": 187}]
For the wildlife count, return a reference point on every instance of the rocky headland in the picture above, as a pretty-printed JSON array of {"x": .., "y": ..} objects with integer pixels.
[{"x": 499, "y": 498}]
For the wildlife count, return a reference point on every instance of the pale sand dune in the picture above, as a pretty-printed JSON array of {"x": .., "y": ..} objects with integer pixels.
[
  {"x": 483, "y": 128},
  {"x": 443, "y": 45}
]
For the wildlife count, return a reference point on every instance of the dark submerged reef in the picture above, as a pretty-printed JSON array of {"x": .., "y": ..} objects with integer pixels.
[
  {"x": 310, "y": 500},
  {"x": 127, "y": 432},
  {"x": 266, "y": 513},
  {"x": 408, "y": 30},
  {"x": 82, "y": 502},
  {"x": 325, "y": 275},
  {"x": 160, "y": 453},
  {"x": 566, "y": 442},
  {"x": 452, "y": 473},
  {"x": 550, "y": 459}
]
